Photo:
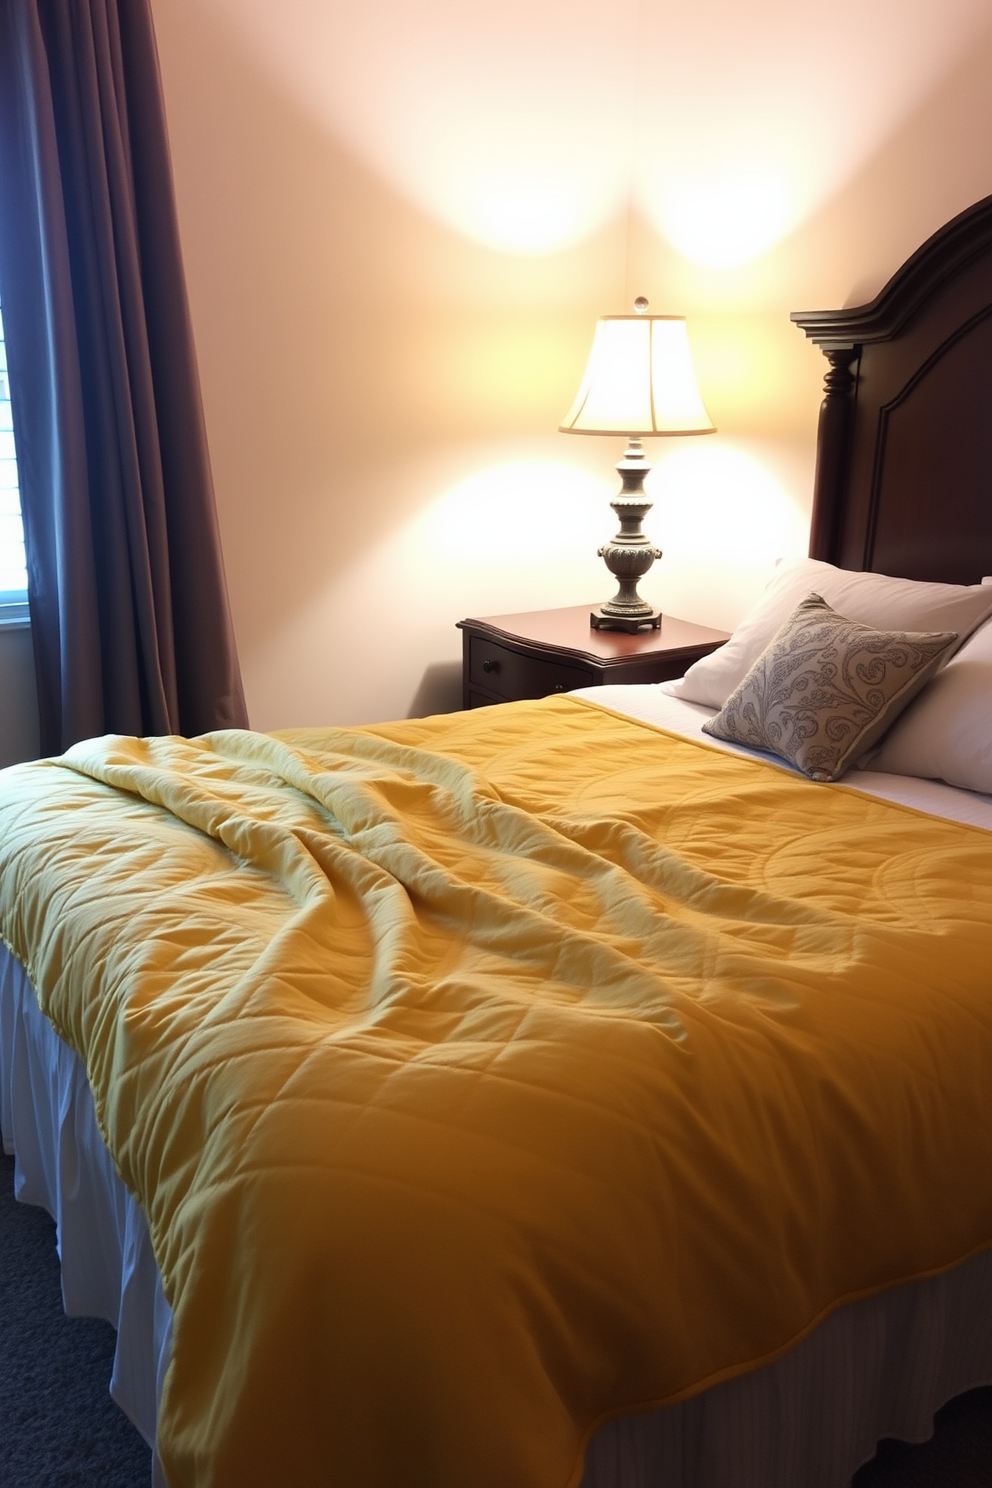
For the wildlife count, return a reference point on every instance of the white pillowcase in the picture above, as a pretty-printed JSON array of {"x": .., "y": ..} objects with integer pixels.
[
  {"x": 871, "y": 598},
  {"x": 946, "y": 733}
]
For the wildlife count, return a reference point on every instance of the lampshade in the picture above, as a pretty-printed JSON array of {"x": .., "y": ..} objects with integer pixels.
[{"x": 639, "y": 381}]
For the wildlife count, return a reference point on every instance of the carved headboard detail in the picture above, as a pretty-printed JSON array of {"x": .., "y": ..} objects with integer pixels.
[{"x": 904, "y": 448}]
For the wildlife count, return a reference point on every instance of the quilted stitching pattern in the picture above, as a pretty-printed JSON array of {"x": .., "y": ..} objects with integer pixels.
[{"x": 481, "y": 1076}]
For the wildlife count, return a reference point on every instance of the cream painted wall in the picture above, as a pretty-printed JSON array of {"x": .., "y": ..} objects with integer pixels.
[
  {"x": 400, "y": 223},
  {"x": 18, "y": 700}
]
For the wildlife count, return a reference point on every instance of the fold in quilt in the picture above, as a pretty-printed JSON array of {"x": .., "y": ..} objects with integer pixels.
[{"x": 484, "y": 1076}]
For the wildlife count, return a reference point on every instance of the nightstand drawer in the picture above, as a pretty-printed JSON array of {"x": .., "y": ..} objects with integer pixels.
[
  {"x": 506, "y": 674},
  {"x": 507, "y": 658}
]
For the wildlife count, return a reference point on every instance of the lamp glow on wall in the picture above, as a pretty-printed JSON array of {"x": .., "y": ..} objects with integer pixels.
[{"x": 639, "y": 382}]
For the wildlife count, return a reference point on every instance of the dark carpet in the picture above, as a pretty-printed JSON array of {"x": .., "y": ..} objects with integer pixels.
[
  {"x": 59, "y": 1427},
  {"x": 958, "y": 1455}
]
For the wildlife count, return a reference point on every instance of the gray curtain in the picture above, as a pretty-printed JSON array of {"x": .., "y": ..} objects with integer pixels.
[{"x": 128, "y": 603}]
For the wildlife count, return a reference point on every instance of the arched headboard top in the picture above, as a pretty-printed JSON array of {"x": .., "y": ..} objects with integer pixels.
[
  {"x": 950, "y": 250},
  {"x": 904, "y": 448}
]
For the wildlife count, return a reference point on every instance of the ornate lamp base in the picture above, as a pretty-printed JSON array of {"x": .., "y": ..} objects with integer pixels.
[
  {"x": 631, "y": 553},
  {"x": 599, "y": 619}
]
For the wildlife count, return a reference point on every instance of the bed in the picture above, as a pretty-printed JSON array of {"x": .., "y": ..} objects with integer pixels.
[{"x": 553, "y": 1195}]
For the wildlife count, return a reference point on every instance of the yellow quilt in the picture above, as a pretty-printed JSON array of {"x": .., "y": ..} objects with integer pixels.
[{"x": 481, "y": 1077}]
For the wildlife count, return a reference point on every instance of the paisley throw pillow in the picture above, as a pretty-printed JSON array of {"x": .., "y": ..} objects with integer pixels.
[{"x": 826, "y": 688}]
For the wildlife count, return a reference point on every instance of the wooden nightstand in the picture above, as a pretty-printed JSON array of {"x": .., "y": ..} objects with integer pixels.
[{"x": 509, "y": 657}]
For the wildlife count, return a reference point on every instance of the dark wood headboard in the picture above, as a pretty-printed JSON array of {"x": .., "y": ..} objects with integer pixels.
[{"x": 904, "y": 448}]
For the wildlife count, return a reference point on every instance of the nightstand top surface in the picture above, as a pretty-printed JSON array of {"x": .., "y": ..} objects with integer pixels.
[{"x": 569, "y": 629}]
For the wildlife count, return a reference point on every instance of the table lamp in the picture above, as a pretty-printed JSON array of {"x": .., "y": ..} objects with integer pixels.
[{"x": 639, "y": 382}]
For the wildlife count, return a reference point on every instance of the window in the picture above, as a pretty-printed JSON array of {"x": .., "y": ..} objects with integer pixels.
[{"x": 13, "y": 573}]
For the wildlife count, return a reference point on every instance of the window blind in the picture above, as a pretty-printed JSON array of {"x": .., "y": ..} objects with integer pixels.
[{"x": 13, "y": 572}]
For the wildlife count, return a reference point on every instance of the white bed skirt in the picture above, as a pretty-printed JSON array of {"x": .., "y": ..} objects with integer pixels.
[
  {"x": 48, "y": 1122},
  {"x": 878, "y": 1368}
]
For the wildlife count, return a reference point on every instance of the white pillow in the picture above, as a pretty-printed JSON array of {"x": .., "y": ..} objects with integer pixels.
[
  {"x": 871, "y": 598},
  {"x": 946, "y": 733}
]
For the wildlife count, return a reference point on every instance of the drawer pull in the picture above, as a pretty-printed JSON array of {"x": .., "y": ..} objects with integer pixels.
[{"x": 490, "y": 666}]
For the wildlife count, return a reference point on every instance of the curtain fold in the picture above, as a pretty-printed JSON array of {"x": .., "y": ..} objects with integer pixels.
[{"x": 129, "y": 613}]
